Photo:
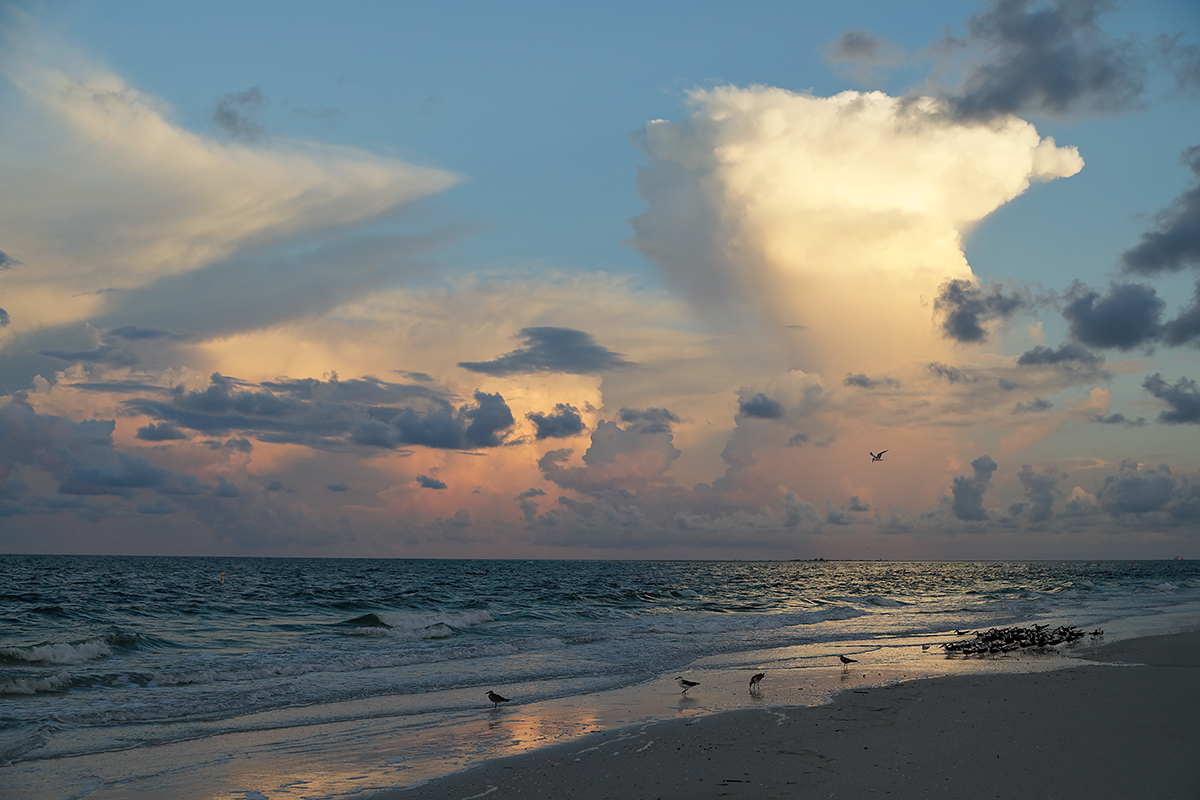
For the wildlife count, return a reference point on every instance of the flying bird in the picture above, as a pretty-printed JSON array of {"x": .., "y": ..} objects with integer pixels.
[
  {"x": 495, "y": 698},
  {"x": 686, "y": 684},
  {"x": 878, "y": 456},
  {"x": 755, "y": 680}
]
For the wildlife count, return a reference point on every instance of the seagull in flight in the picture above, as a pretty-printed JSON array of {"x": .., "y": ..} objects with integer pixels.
[
  {"x": 686, "y": 684},
  {"x": 878, "y": 456},
  {"x": 496, "y": 699}
]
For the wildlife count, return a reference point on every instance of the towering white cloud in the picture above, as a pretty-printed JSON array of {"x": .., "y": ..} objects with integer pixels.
[{"x": 832, "y": 219}]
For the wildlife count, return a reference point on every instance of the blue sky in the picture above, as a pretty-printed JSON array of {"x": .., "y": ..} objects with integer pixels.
[{"x": 619, "y": 281}]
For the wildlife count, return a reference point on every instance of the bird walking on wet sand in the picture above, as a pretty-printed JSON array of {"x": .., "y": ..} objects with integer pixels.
[
  {"x": 686, "y": 684},
  {"x": 846, "y": 662},
  {"x": 496, "y": 699},
  {"x": 755, "y": 680}
]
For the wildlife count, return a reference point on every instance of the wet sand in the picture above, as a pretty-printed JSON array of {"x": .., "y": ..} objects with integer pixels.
[{"x": 1122, "y": 723}]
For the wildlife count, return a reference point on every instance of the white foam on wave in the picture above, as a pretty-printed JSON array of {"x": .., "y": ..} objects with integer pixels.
[
  {"x": 58, "y": 653},
  {"x": 52, "y": 683},
  {"x": 423, "y": 625}
]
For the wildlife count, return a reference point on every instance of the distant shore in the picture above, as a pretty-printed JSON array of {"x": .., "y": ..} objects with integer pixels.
[{"x": 1121, "y": 724}]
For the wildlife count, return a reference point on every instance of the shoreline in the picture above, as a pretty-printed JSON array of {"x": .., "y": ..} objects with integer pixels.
[{"x": 1120, "y": 722}]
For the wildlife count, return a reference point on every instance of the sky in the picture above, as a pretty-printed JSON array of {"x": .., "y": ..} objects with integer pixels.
[{"x": 649, "y": 281}]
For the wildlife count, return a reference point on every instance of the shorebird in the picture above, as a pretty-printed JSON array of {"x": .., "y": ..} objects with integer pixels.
[
  {"x": 846, "y": 662},
  {"x": 495, "y": 698},
  {"x": 686, "y": 684},
  {"x": 755, "y": 680},
  {"x": 878, "y": 456}
]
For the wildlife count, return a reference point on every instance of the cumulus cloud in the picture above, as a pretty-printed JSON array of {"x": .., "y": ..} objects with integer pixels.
[
  {"x": 1041, "y": 488},
  {"x": 760, "y": 406},
  {"x": 1135, "y": 489},
  {"x": 967, "y": 490},
  {"x": 1127, "y": 317},
  {"x": 967, "y": 307},
  {"x": 1046, "y": 57},
  {"x": 551, "y": 349},
  {"x": 565, "y": 421},
  {"x": 821, "y": 212},
  {"x": 426, "y": 482}
]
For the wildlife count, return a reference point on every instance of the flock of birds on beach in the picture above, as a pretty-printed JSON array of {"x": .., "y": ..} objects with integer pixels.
[{"x": 993, "y": 641}]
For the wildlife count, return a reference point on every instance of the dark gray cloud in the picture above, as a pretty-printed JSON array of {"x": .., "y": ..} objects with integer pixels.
[
  {"x": 1042, "y": 489},
  {"x": 968, "y": 491},
  {"x": 482, "y": 425},
  {"x": 104, "y": 354},
  {"x": 1067, "y": 356},
  {"x": 80, "y": 456},
  {"x": 1182, "y": 397},
  {"x": 952, "y": 374},
  {"x": 137, "y": 333},
  {"x": 4, "y": 320},
  {"x": 857, "y": 45},
  {"x": 966, "y": 307},
  {"x": 1035, "y": 406},
  {"x": 1175, "y": 243},
  {"x": 314, "y": 413},
  {"x": 649, "y": 420},
  {"x": 1119, "y": 419},
  {"x": 1182, "y": 58},
  {"x": 237, "y": 114},
  {"x": 1186, "y": 325},
  {"x": 337, "y": 487},
  {"x": 488, "y": 420},
  {"x": 864, "y": 381},
  {"x": 430, "y": 483},
  {"x": 760, "y": 406},
  {"x": 1137, "y": 490},
  {"x": 550, "y": 349},
  {"x": 565, "y": 421},
  {"x": 1047, "y": 57},
  {"x": 1127, "y": 317},
  {"x": 7, "y": 261},
  {"x": 165, "y": 432}
]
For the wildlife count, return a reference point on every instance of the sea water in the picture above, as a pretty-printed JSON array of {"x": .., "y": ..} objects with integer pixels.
[{"x": 105, "y": 661}]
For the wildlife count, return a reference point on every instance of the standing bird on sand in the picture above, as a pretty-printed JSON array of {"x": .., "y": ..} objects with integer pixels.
[
  {"x": 755, "y": 680},
  {"x": 846, "y": 662},
  {"x": 496, "y": 699},
  {"x": 878, "y": 456},
  {"x": 686, "y": 684}
]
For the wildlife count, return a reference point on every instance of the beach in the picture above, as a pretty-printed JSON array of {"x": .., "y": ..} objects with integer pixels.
[{"x": 1119, "y": 723}]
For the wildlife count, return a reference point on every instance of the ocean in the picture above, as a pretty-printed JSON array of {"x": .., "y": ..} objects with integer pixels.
[{"x": 127, "y": 676}]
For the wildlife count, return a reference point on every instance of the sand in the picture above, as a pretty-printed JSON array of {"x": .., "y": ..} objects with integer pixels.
[{"x": 1122, "y": 723}]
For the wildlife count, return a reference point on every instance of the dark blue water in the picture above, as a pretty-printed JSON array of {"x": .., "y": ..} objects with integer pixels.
[{"x": 140, "y": 651}]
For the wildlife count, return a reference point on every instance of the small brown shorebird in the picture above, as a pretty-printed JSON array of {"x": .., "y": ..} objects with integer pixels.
[
  {"x": 847, "y": 661},
  {"x": 755, "y": 680},
  {"x": 497, "y": 699},
  {"x": 686, "y": 684}
]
